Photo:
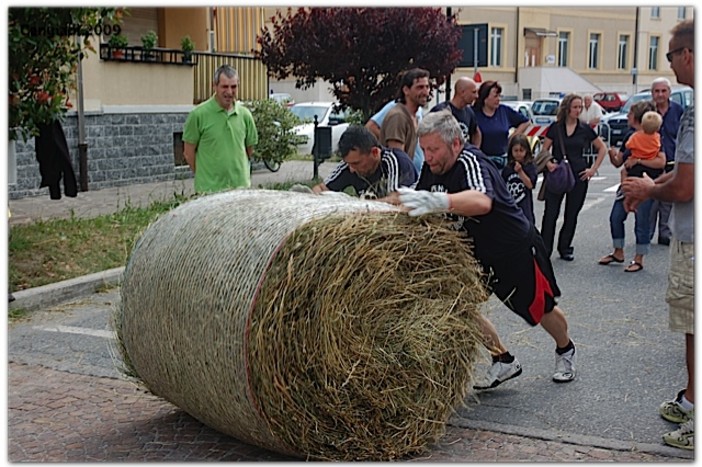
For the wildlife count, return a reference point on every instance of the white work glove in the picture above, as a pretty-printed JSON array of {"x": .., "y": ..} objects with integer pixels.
[{"x": 423, "y": 202}]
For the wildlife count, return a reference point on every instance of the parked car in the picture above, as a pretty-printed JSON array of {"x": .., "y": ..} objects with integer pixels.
[
  {"x": 282, "y": 98},
  {"x": 615, "y": 125},
  {"x": 545, "y": 110},
  {"x": 610, "y": 101},
  {"x": 326, "y": 116},
  {"x": 524, "y": 108}
]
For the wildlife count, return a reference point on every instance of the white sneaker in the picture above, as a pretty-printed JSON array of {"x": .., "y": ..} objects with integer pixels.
[
  {"x": 499, "y": 373},
  {"x": 683, "y": 437},
  {"x": 565, "y": 367},
  {"x": 673, "y": 410}
]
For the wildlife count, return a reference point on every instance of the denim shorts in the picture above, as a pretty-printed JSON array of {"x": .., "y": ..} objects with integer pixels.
[{"x": 681, "y": 287}]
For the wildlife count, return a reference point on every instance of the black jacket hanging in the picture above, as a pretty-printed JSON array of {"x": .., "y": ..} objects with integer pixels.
[{"x": 55, "y": 160}]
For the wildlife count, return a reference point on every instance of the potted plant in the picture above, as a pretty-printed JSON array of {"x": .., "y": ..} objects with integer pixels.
[
  {"x": 187, "y": 46},
  {"x": 148, "y": 42},
  {"x": 117, "y": 44}
]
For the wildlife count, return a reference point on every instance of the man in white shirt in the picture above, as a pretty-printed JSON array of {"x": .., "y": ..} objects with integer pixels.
[{"x": 591, "y": 113}]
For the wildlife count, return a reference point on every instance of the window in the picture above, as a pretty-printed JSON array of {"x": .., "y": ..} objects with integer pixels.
[
  {"x": 681, "y": 12},
  {"x": 623, "y": 52},
  {"x": 655, "y": 12},
  {"x": 563, "y": 40},
  {"x": 653, "y": 53},
  {"x": 179, "y": 149},
  {"x": 594, "y": 44},
  {"x": 496, "y": 46}
]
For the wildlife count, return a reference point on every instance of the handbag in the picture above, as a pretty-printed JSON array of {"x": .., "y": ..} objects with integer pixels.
[{"x": 561, "y": 180}]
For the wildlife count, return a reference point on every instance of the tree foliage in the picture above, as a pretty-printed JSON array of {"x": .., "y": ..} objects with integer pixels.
[
  {"x": 43, "y": 56},
  {"x": 360, "y": 51},
  {"x": 274, "y": 122}
]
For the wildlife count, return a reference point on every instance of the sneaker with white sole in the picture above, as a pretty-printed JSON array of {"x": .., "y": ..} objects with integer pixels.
[
  {"x": 565, "y": 367},
  {"x": 683, "y": 437},
  {"x": 673, "y": 410},
  {"x": 500, "y": 372}
]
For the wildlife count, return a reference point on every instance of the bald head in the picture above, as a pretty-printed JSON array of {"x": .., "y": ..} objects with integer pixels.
[
  {"x": 465, "y": 91},
  {"x": 462, "y": 83}
]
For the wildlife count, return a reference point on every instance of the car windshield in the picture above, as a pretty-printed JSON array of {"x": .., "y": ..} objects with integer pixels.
[
  {"x": 544, "y": 108},
  {"x": 633, "y": 100},
  {"x": 307, "y": 112}
]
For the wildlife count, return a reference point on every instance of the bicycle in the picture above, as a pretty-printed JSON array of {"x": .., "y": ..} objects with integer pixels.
[{"x": 273, "y": 166}]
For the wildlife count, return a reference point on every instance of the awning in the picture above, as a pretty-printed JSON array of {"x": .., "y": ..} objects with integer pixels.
[{"x": 541, "y": 32}]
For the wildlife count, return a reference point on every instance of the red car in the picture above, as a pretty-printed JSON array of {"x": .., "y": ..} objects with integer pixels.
[{"x": 610, "y": 101}]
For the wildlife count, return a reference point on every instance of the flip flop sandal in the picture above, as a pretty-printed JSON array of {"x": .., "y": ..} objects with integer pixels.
[
  {"x": 609, "y": 259},
  {"x": 636, "y": 267}
]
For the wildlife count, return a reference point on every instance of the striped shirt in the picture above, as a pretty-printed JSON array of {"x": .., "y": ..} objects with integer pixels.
[
  {"x": 394, "y": 171},
  {"x": 496, "y": 234}
]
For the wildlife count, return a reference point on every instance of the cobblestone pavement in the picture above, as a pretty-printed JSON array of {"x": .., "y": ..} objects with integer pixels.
[{"x": 55, "y": 416}]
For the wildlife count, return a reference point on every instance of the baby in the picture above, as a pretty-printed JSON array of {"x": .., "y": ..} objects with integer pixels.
[{"x": 644, "y": 144}]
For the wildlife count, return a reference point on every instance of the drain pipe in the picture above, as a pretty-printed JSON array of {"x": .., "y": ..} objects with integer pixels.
[
  {"x": 82, "y": 145},
  {"x": 634, "y": 69},
  {"x": 448, "y": 76}
]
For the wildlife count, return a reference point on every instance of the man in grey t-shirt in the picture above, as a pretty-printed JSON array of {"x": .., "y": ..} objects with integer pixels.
[{"x": 678, "y": 187}]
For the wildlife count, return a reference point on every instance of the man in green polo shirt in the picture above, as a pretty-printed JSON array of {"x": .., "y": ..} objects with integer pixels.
[{"x": 219, "y": 137}]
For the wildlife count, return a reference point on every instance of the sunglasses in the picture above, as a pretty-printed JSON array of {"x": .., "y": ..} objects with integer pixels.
[{"x": 672, "y": 53}]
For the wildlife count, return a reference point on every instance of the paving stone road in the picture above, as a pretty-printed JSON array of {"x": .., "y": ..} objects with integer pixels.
[{"x": 56, "y": 416}]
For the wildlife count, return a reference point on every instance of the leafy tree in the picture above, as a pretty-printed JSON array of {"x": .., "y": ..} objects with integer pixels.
[
  {"x": 360, "y": 51},
  {"x": 274, "y": 122},
  {"x": 43, "y": 58}
]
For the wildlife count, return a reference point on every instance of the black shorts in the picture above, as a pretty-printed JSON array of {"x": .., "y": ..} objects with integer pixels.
[{"x": 524, "y": 281}]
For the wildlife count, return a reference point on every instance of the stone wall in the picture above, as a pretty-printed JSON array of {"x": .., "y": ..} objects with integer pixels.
[{"x": 124, "y": 147}]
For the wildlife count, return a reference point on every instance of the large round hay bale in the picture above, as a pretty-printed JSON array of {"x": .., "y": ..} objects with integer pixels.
[{"x": 324, "y": 327}]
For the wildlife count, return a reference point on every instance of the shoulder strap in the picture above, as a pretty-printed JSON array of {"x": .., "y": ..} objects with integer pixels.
[{"x": 561, "y": 139}]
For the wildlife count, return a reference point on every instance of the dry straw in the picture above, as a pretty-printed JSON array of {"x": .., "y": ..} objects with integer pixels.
[{"x": 322, "y": 327}]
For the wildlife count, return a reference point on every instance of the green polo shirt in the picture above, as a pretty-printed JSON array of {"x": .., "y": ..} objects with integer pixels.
[{"x": 221, "y": 139}]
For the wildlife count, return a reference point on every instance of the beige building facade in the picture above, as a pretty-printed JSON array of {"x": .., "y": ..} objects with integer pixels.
[
  {"x": 601, "y": 46},
  {"x": 618, "y": 48}
]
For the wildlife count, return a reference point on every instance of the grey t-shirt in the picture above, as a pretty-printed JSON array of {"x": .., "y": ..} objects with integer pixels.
[{"x": 683, "y": 213}]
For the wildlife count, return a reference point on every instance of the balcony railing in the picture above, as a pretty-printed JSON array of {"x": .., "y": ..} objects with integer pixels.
[
  {"x": 253, "y": 73},
  {"x": 137, "y": 54}
]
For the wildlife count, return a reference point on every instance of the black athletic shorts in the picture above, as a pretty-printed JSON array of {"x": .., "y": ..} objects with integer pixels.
[{"x": 524, "y": 280}]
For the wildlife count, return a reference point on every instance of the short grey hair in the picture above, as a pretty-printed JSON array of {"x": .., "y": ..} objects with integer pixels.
[
  {"x": 443, "y": 123},
  {"x": 226, "y": 70},
  {"x": 661, "y": 80}
]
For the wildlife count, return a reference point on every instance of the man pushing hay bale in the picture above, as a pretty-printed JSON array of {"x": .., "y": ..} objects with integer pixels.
[{"x": 323, "y": 327}]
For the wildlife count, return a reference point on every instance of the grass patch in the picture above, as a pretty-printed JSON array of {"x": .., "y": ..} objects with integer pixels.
[
  {"x": 55, "y": 250},
  {"x": 16, "y": 314},
  {"x": 51, "y": 251}
]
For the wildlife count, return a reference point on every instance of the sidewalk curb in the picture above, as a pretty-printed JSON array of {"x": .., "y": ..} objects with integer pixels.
[
  {"x": 59, "y": 292},
  {"x": 578, "y": 440}
]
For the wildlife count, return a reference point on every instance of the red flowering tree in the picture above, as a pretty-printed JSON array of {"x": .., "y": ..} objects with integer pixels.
[
  {"x": 360, "y": 51},
  {"x": 43, "y": 56}
]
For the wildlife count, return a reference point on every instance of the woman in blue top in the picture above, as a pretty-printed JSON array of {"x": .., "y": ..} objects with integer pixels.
[{"x": 495, "y": 120}]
